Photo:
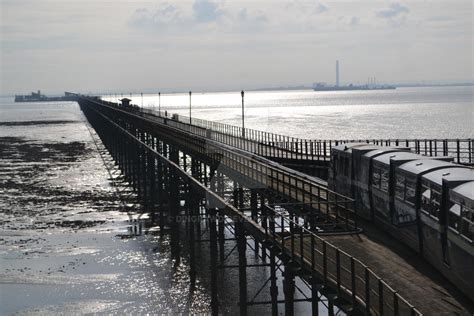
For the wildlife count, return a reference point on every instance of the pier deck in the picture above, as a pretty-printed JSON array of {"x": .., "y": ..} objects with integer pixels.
[{"x": 415, "y": 280}]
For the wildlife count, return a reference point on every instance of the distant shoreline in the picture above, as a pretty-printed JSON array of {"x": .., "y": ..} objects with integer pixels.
[{"x": 290, "y": 88}]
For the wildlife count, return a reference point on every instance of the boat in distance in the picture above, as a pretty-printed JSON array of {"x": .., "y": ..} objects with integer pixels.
[
  {"x": 38, "y": 97},
  {"x": 321, "y": 87}
]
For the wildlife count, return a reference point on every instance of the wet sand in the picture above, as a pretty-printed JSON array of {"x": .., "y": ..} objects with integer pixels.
[{"x": 72, "y": 238}]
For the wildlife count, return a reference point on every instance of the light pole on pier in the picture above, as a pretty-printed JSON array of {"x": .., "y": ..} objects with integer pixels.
[
  {"x": 159, "y": 103},
  {"x": 190, "y": 107},
  {"x": 142, "y": 98},
  {"x": 243, "y": 115}
]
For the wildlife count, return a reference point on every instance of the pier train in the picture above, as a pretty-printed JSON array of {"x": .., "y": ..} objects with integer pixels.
[{"x": 425, "y": 202}]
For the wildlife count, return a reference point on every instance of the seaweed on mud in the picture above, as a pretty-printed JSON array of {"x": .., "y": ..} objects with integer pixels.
[{"x": 20, "y": 150}]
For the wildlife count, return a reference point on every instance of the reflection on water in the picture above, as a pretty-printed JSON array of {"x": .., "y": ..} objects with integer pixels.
[{"x": 438, "y": 112}]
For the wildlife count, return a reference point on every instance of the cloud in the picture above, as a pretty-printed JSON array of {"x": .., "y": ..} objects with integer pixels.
[
  {"x": 354, "y": 21},
  {"x": 249, "y": 22},
  {"x": 165, "y": 16},
  {"x": 321, "y": 8},
  {"x": 393, "y": 11},
  {"x": 206, "y": 11}
]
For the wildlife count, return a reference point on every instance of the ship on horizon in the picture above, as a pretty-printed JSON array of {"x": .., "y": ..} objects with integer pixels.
[
  {"x": 38, "y": 97},
  {"x": 371, "y": 85}
]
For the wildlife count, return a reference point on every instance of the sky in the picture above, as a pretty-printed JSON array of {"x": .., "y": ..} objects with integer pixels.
[{"x": 213, "y": 45}]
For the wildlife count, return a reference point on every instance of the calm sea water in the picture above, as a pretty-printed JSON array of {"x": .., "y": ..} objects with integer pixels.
[{"x": 428, "y": 112}]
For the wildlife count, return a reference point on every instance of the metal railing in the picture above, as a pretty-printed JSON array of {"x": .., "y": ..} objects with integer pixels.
[
  {"x": 259, "y": 172},
  {"x": 286, "y": 147},
  {"x": 334, "y": 267}
]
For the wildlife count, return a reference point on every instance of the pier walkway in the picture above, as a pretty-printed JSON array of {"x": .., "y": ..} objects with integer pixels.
[{"x": 185, "y": 171}]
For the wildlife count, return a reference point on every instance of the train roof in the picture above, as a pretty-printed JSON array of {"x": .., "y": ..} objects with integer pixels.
[
  {"x": 347, "y": 147},
  {"x": 452, "y": 174},
  {"x": 464, "y": 193},
  {"x": 380, "y": 150},
  {"x": 423, "y": 165},
  {"x": 396, "y": 156}
]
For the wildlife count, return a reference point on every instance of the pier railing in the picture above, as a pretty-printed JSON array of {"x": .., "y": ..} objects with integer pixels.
[
  {"x": 286, "y": 147},
  {"x": 260, "y": 172},
  {"x": 344, "y": 273},
  {"x": 462, "y": 150}
]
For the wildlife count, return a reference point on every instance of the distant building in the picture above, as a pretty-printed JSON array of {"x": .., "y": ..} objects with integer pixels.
[{"x": 125, "y": 101}]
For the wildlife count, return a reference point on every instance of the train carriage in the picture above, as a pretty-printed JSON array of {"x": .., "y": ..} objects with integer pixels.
[
  {"x": 460, "y": 236},
  {"x": 407, "y": 198},
  {"x": 382, "y": 186},
  {"x": 340, "y": 171},
  {"x": 363, "y": 160},
  {"x": 435, "y": 188},
  {"x": 419, "y": 200}
]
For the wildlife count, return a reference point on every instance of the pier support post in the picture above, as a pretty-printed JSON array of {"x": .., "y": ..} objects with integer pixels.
[
  {"x": 254, "y": 210},
  {"x": 213, "y": 248},
  {"x": 314, "y": 296},
  {"x": 192, "y": 210},
  {"x": 241, "y": 247},
  {"x": 195, "y": 174},
  {"x": 289, "y": 290},
  {"x": 273, "y": 284}
]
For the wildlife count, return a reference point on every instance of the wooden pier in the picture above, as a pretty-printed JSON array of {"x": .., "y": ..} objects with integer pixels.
[{"x": 186, "y": 174}]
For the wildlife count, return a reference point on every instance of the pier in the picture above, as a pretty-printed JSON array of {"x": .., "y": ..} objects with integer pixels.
[{"x": 266, "y": 192}]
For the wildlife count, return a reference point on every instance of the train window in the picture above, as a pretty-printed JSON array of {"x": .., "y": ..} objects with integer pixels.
[
  {"x": 435, "y": 203},
  {"x": 410, "y": 191},
  {"x": 400, "y": 187},
  {"x": 405, "y": 216},
  {"x": 454, "y": 217},
  {"x": 425, "y": 199},
  {"x": 376, "y": 177},
  {"x": 384, "y": 180},
  {"x": 467, "y": 225},
  {"x": 344, "y": 167}
]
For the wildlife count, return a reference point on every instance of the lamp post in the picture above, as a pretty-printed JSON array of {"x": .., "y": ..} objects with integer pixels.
[
  {"x": 189, "y": 107},
  {"x": 243, "y": 115},
  {"x": 159, "y": 103}
]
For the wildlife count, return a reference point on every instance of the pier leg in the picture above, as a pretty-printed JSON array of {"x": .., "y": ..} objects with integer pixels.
[
  {"x": 289, "y": 290},
  {"x": 241, "y": 247},
  {"x": 273, "y": 284},
  {"x": 213, "y": 248},
  {"x": 254, "y": 210},
  {"x": 314, "y": 297},
  {"x": 192, "y": 209}
]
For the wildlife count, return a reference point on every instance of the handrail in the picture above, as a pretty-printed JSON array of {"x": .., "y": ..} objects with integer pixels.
[
  {"x": 286, "y": 147},
  {"x": 266, "y": 173},
  {"x": 343, "y": 270}
]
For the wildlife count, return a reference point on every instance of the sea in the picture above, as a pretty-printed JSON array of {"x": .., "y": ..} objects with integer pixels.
[
  {"x": 74, "y": 238},
  {"x": 421, "y": 112}
]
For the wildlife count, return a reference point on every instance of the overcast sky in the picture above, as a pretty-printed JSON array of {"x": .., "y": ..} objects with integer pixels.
[{"x": 230, "y": 44}]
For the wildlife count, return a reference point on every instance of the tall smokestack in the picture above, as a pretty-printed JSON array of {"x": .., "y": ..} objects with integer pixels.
[{"x": 337, "y": 73}]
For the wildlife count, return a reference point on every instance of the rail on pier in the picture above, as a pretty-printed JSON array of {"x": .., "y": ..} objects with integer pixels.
[
  {"x": 150, "y": 157},
  {"x": 274, "y": 145}
]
